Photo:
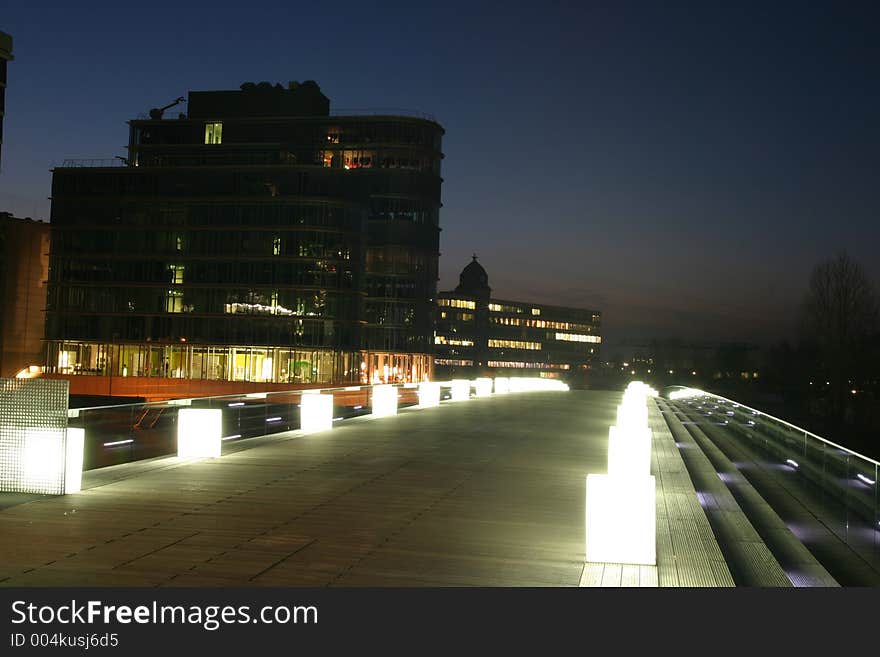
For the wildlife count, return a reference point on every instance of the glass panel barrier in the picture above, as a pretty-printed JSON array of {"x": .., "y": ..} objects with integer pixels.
[{"x": 838, "y": 486}]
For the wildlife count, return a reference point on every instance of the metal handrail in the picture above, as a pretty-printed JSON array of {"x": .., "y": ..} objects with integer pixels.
[
  {"x": 94, "y": 162},
  {"x": 370, "y": 111},
  {"x": 384, "y": 111}
]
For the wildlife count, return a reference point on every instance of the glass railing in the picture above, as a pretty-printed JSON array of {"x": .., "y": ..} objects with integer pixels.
[
  {"x": 837, "y": 485},
  {"x": 130, "y": 432}
]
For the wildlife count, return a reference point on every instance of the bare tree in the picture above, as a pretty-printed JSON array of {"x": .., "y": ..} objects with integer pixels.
[{"x": 839, "y": 313}]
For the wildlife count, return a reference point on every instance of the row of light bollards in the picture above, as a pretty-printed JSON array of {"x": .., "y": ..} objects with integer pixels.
[
  {"x": 199, "y": 429},
  {"x": 621, "y": 505},
  {"x": 39, "y": 453}
]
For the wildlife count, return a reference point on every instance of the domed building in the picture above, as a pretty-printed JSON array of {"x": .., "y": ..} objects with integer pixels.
[{"x": 477, "y": 335}]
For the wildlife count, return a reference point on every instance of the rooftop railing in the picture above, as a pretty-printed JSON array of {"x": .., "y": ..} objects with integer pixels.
[
  {"x": 94, "y": 162},
  {"x": 370, "y": 111}
]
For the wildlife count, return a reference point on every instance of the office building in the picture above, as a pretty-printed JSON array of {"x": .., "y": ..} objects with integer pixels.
[
  {"x": 255, "y": 237},
  {"x": 24, "y": 265},
  {"x": 478, "y": 335}
]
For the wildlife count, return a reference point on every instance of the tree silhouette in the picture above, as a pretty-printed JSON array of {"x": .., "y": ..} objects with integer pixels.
[{"x": 839, "y": 314}]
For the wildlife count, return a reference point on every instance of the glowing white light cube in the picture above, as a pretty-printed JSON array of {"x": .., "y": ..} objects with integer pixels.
[
  {"x": 429, "y": 394},
  {"x": 502, "y": 385},
  {"x": 316, "y": 412},
  {"x": 384, "y": 400},
  {"x": 73, "y": 462},
  {"x": 198, "y": 432},
  {"x": 629, "y": 451},
  {"x": 621, "y": 525},
  {"x": 460, "y": 390},
  {"x": 42, "y": 460},
  {"x": 632, "y": 415},
  {"x": 483, "y": 387}
]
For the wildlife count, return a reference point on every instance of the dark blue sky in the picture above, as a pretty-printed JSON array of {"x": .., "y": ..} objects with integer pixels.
[{"x": 681, "y": 168}]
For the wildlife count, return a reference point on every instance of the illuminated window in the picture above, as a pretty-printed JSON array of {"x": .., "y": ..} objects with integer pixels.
[
  {"x": 443, "y": 314},
  {"x": 276, "y": 246},
  {"x": 457, "y": 303},
  {"x": 528, "y": 366},
  {"x": 513, "y": 344},
  {"x": 465, "y": 317},
  {"x": 536, "y": 311},
  {"x": 179, "y": 243},
  {"x": 453, "y": 361},
  {"x": 498, "y": 308},
  {"x": 442, "y": 339},
  {"x": 540, "y": 323},
  {"x": 213, "y": 133},
  {"x": 176, "y": 273},
  {"x": 174, "y": 301},
  {"x": 575, "y": 337}
]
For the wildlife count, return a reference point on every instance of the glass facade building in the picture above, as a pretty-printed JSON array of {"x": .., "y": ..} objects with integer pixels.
[
  {"x": 255, "y": 238},
  {"x": 477, "y": 335}
]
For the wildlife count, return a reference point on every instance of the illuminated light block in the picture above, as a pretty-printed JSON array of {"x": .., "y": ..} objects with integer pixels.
[
  {"x": 33, "y": 427},
  {"x": 384, "y": 400},
  {"x": 629, "y": 451},
  {"x": 429, "y": 394},
  {"x": 460, "y": 390},
  {"x": 73, "y": 462},
  {"x": 316, "y": 412},
  {"x": 198, "y": 432},
  {"x": 632, "y": 415},
  {"x": 42, "y": 459},
  {"x": 483, "y": 387},
  {"x": 621, "y": 524},
  {"x": 502, "y": 385}
]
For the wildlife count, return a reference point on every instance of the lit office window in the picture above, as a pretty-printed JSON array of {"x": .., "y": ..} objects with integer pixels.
[
  {"x": 575, "y": 337},
  {"x": 174, "y": 301},
  {"x": 442, "y": 339},
  {"x": 536, "y": 311},
  {"x": 453, "y": 361},
  {"x": 457, "y": 303},
  {"x": 499, "y": 308},
  {"x": 513, "y": 344},
  {"x": 176, "y": 273},
  {"x": 276, "y": 246},
  {"x": 528, "y": 366},
  {"x": 213, "y": 133}
]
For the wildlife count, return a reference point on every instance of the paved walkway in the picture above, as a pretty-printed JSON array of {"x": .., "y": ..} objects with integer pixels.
[
  {"x": 488, "y": 492},
  {"x": 485, "y": 492}
]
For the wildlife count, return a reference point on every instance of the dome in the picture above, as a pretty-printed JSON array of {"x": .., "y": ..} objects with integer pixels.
[{"x": 473, "y": 278}]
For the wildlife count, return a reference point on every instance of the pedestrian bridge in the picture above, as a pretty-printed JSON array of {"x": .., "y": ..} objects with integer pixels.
[{"x": 483, "y": 492}]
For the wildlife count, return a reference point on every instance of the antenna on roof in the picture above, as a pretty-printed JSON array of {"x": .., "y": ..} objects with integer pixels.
[{"x": 156, "y": 112}]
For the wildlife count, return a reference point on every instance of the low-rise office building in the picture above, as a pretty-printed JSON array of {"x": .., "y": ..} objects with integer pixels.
[{"x": 478, "y": 335}]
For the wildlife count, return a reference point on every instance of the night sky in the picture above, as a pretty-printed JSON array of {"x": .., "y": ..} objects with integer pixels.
[{"x": 680, "y": 169}]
